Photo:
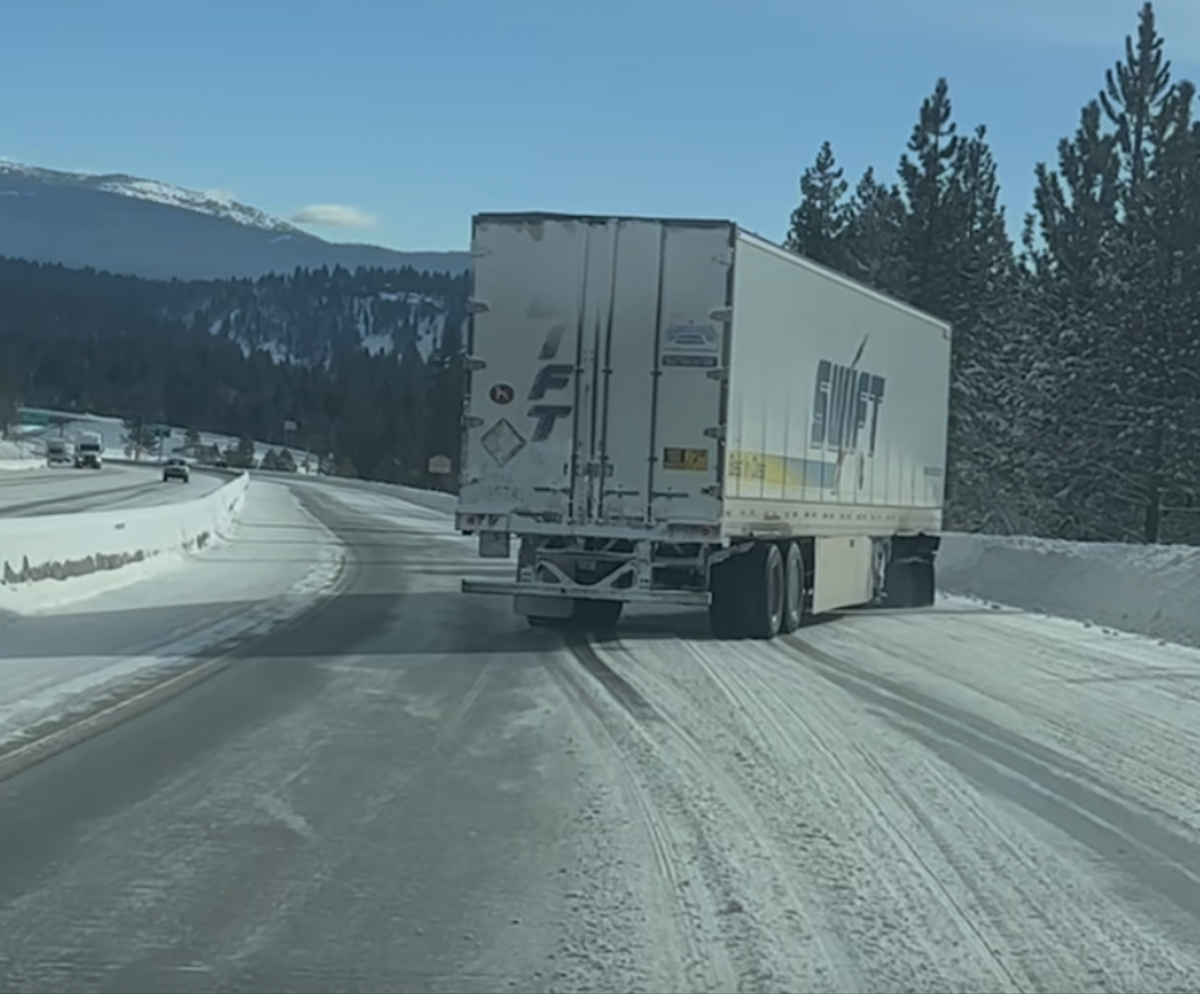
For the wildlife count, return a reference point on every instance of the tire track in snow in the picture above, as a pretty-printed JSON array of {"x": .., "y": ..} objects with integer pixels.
[
  {"x": 1075, "y": 797},
  {"x": 789, "y": 918},
  {"x": 878, "y": 916},
  {"x": 1063, "y": 917},
  {"x": 698, "y": 967},
  {"x": 834, "y": 745},
  {"x": 750, "y": 892},
  {"x": 1144, "y": 732}
]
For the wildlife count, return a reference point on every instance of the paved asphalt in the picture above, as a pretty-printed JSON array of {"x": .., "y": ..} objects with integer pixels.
[
  {"x": 409, "y": 790},
  {"x": 349, "y": 808},
  {"x": 65, "y": 490}
]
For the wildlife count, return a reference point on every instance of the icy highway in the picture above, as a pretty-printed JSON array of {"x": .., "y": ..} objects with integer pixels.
[
  {"x": 66, "y": 490},
  {"x": 408, "y": 790}
]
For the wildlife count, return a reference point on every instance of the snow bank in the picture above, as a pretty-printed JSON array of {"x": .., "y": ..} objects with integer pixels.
[
  {"x": 1148, "y": 589},
  {"x": 14, "y": 455},
  {"x": 433, "y": 500},
  {"x": 54, "y": 559}
]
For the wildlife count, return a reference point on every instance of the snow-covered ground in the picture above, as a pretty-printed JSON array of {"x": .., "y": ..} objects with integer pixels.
[
  {"x": 968, "y": 798},
  {"x": 18, "y": 455},
  {"x": 277, "y": 562},
  {"x": 1152, "y": 590}
]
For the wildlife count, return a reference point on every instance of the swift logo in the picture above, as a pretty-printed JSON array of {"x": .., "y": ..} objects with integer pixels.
[
  {"x": 846, "y": 402},
  {"x": 552, "y": 376}
]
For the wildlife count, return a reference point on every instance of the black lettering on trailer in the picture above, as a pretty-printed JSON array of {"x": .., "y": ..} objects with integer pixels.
[
  {"x": 552, "y": 376},
  {"x": 845, "y": 401}
]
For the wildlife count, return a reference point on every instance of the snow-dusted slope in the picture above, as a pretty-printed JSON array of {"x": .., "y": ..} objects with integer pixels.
[
  {"x": 142, "y": 227},
  {"x": 209, "y": 202}
]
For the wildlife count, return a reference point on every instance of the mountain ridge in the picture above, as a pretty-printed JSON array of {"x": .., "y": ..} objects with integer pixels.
[{"x": 131, "y": 225}]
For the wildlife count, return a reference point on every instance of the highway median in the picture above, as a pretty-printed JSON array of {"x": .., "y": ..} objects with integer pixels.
[{"x": 50, "y": 560}]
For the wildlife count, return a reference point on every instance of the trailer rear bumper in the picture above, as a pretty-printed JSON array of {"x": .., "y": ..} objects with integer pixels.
[{"x": 575, "y": 591}]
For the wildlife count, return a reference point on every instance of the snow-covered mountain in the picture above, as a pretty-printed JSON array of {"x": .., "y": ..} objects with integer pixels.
[{"x": 140, "y": 227}]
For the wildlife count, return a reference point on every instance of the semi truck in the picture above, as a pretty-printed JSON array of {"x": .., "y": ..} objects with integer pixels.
[
  {"x": 89, "y": 450},
  {"x": 58, "y": 452},
  {"x": 679, "y": 412}
]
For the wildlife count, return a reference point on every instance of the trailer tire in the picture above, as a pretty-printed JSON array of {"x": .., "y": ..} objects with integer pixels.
[
  {"x": 764, "y": 591},
  {"x": 793, "y": 588}
]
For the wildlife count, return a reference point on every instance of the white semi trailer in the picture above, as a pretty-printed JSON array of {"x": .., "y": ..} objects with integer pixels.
[{"x": 679, "y": 412}]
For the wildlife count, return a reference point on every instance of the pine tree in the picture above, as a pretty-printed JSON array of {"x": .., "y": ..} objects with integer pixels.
[
  {"x": 988, "y": 356},
  {"x": 959, "y": 267},
  {"x": 1114, "y": 254},
  {"x": 874, "y": 238},
  {"x": 820, "y": 221},
  {"x": 927, "y": 184}
]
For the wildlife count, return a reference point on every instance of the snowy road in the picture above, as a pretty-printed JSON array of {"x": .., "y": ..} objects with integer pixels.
[
  {"x": 410, "y": 791},
  {"x": 65, "y": 490}
]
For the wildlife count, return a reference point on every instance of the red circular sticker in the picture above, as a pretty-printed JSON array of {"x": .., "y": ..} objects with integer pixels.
[{"x": 501, "y": 393}]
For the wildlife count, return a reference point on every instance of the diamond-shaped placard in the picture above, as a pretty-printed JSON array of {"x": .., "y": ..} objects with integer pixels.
[{"x": 502, "y": 441}]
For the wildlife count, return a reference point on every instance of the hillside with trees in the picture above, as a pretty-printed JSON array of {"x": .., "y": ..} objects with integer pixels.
[
  {"x": 367, "y": 363},
  {"x": 1076, "y": 374}
]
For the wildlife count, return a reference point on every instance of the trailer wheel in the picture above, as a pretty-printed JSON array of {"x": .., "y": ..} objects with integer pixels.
[
  {"x": 764, "y": 591},
  {"x": 726, "y": 614},
  {"x": 793, "y": 588}
]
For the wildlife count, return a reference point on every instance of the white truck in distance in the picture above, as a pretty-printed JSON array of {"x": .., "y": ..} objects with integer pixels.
[
  {"x": 58, "y": 452},
  {"x": 679, "y": 412},
  {"x": 89, "y": 450}
]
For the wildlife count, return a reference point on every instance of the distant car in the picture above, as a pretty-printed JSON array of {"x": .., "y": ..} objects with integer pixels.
[{"x": 176, "y": 469}]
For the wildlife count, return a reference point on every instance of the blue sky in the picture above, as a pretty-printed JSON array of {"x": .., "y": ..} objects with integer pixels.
[{"x": 415, "y": 113}]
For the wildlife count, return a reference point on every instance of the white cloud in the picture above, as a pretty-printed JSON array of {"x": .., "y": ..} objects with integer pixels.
[{"x": 333, "y": 215}]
